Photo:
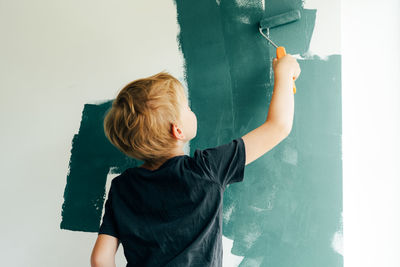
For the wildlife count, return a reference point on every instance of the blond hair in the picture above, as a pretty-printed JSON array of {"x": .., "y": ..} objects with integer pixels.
[{"x": 140, "y": 119}]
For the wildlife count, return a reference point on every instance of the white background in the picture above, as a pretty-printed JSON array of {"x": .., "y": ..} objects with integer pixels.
[
  {"x": 55, "y": 56},
  {"x": 371, "y": 132}
]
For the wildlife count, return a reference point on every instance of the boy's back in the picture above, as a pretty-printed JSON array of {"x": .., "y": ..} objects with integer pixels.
[{"x": 172, "y": 216}]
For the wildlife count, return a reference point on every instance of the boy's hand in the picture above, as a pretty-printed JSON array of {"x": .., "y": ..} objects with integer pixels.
[{"x": 287, "y": 66}]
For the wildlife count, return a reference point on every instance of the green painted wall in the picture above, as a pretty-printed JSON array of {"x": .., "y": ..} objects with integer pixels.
[{"x": 288, "y": 208}]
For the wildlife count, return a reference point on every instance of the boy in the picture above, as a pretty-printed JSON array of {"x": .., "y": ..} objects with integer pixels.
[{"x": 167, "y": 212}]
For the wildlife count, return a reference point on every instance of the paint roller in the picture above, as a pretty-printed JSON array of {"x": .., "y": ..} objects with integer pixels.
[{"x": 279, "y": 20}]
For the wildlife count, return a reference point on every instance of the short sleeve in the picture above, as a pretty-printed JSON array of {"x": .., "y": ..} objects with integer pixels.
[
  {"x": 108, "y": 225},
  {"x": 225, "y": 163}
]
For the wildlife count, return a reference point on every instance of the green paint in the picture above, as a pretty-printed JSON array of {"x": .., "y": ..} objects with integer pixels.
[
  {"x": 289, "y": 206},
  {"x": 92, "y": 158}
]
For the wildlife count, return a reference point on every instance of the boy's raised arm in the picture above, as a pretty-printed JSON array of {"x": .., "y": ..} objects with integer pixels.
[
  {"x": 281, "y": 110},
  {"x": 262, "y": 139}
]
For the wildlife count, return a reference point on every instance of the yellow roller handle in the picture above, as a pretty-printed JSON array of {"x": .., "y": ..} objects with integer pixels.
[{"x": 280, "y": 52}]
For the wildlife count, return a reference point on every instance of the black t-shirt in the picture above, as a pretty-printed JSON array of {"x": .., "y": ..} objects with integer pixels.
[{"x": 172, "y": 216}]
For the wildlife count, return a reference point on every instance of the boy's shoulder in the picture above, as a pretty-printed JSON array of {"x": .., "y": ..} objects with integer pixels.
[{"x": 223, "y": 164}]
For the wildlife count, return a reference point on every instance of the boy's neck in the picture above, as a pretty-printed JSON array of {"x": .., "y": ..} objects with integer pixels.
[{"x": 178, "y": 152}]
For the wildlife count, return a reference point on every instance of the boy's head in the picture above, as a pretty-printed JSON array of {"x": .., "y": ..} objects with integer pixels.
[{"x": 150, "y": 119}]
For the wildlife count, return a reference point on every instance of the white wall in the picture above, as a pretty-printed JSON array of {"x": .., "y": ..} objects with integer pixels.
[
  {"x": 371, "y": 132},
  {"x": 56, "y": 56}
]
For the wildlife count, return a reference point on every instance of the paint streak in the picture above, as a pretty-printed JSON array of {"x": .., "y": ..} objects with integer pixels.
[
  {"x": 249, "y": 3},
  {"x": 337, "y": 240},
  {"x": 287, "y": 208},
  {"x": 92, "y": 158}
]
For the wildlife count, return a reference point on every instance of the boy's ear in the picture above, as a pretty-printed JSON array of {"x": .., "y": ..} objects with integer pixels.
[{"x": 177, "y": 132}]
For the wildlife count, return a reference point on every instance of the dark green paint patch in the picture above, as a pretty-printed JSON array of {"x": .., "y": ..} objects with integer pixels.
[
  {"x": 92, "y": 158},
  {"x": 289, "y": 206}
]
